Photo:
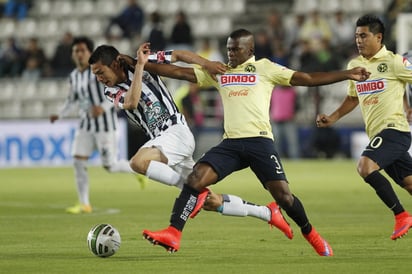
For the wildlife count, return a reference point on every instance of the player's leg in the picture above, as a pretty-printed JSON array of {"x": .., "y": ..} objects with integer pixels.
[
  {"x": 267, "y": 166},
  {"x": 232, "y": 205},
  {"x": 401, "y": 172},
  {"x": 219, "y": 160},
  {"x": 296, "y": 211},
  {"x": 107, "y": 147},
  {"x": 386, "y": 150},
  {"x": 83, "y": 146},
  {"x": 201, "y": 177},
  {"x": 160, "y": 158}
]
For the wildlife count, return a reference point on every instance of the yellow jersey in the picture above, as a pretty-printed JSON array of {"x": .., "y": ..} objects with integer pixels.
[
  {"x": 246, "y": 91},
  {"x": 381, "y": 96}
]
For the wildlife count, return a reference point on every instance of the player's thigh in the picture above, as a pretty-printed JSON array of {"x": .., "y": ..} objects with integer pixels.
[
  {"x": 177, "y": 144},
  {"x": 401, "y": 171},
  {"x": 265, "y": 161},
  {"x": 83, "y": 144},
  {"x": 387, "y": 147},
  {"x": 224, "y": 158}
]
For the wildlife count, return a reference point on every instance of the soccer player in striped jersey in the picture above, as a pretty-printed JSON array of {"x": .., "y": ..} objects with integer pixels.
[
  {"x": 97, "y": 126},
  {"x": 246, "y": 89},
  {"x": 381, "y": 100},
  {"x": 167, "y": 156}
]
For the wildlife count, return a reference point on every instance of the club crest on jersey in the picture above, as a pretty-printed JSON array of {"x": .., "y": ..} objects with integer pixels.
[
  {"x": 382, "y": 67},
  {"x": 370, "y": 87},
  {"x": 250, "y": 68},
  {"x": 246, "y": 79}
]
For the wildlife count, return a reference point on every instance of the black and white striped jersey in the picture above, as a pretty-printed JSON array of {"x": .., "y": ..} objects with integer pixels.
[
  {"x": 156, "y": 110},
  {"x": 86, "y": 92}
]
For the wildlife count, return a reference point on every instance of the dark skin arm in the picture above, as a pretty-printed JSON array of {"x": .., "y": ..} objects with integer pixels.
[
  {"x": 172, "y": 71},
  {"x": 324, "y": 78}
]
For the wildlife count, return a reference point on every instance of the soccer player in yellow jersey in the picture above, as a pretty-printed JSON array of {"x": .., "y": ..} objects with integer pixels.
[
  {"x": 381, "y": 101},
  {"x": 246, "y": 89}
]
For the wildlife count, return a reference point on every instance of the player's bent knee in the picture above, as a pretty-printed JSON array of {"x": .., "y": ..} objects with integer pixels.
[{"x": 138, "y": 165}]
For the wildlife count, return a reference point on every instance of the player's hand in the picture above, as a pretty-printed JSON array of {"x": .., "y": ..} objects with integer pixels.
[
  {"x": 96, "y": 111},
  {"x": 323, "y": 120},
  {"x": 214, "y": 68},
  {"x": 53, "y": 118},
  {"x": 359, "y": 74},
  {"x": 143, "y": 53}
]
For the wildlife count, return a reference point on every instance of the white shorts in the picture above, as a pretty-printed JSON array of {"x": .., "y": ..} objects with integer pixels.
[
  {"x": 177, "y": 144},
  {"x": 85, "y": 143}
]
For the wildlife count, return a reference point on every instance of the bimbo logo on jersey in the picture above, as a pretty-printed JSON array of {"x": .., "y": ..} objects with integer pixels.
[
  {"x": 238, "y": 79},
  {"x": 370, "y": 87}
]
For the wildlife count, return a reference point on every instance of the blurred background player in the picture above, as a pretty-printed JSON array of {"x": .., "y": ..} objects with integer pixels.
[
  {"x": 97, "y": 125},
  {"x": 382, "y": 102}
]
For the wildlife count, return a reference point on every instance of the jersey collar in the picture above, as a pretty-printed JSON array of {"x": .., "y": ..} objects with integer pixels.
[
  {"x": 244, "y": 64},
  {"x": 381, "y": 53}
]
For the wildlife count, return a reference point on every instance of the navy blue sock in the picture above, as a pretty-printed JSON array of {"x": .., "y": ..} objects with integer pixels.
[
  {"x": 385, "y": 191},
  {"x": 298, "y": 214},
  {"x": 183, "y": 207}
]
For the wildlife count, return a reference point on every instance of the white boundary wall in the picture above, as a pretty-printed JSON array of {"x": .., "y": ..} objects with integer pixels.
[{"x": 35, "y": 143}]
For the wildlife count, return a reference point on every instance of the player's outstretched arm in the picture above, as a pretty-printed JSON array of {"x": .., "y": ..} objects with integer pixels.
[
  {"x": 212, "y": 67},
  {"x": 348, "y": 104},
  {"x": 325, "y": 78},
  {"x": 172, "y": 71}
]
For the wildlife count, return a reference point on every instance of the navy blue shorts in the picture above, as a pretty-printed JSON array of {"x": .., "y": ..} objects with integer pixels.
[
  {"x": 235, "y": 154},
  {"x": 389, "y": 149}
]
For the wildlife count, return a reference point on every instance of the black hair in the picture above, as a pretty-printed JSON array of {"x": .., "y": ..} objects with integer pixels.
[
  {"x": 105, "y": 54},
  {"x": 83, "y": 39},
  {"x": 373, "y": 22},
  {"x": 240, "y": 33}
]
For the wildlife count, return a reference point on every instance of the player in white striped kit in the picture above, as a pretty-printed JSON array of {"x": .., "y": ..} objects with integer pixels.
[
  {"x": 167, "y": 156},
  {"x": 97, "y": 126}
]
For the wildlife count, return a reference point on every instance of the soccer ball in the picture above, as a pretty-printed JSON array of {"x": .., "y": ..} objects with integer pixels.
[{"x": 103, "y": 240}]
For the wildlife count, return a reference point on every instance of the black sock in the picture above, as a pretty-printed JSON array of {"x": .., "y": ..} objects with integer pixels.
[
  {"x": 183, "y": 207},
  {"x": 298, "y": 214},
  {"x": 385, "y": 191}
]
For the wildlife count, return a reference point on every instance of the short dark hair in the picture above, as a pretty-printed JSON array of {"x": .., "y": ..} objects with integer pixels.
[
  {"x": 373, "y": 22},
  {"x": 83, "y": 39},
  {"x": 105, "y": 54},
  {"x": 240, "y": 33}
]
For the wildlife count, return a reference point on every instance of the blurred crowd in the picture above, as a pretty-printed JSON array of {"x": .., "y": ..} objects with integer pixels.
[
  {"x": 27, "y": 58},
  {"x": 308, "y": 41}
]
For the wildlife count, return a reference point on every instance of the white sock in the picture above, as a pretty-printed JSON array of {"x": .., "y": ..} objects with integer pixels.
[
  {"x": 121, "y": 166},
  {"x": 164, "y": 174},
  {"x": 82, "y": 180},
  {"x": 235, "y": 206}
]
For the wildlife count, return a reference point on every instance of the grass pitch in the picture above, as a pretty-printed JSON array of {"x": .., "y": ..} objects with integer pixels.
[{"x": 37, "y": 236}]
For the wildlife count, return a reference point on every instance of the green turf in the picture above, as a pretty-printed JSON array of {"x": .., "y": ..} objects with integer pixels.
[{"x": 38, "y": 237}]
